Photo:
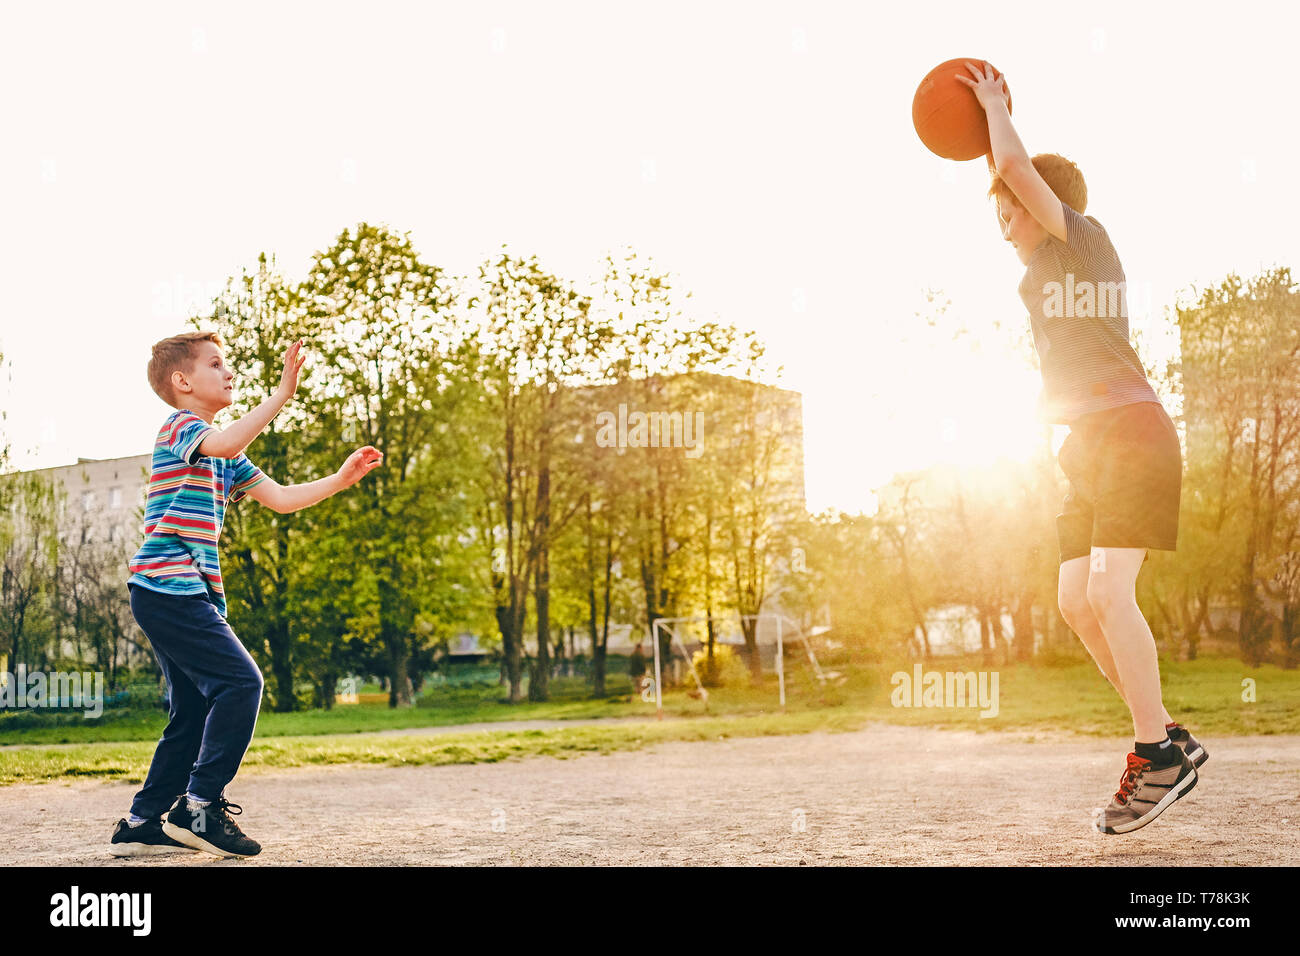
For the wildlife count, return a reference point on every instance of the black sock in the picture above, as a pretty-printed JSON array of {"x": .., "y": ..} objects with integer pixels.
[{"x": 1161, "y": 754}]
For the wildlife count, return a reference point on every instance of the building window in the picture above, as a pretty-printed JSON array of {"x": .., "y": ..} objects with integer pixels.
[
  {"x": 87, "y": 499},
  {"x": 115, "y": 497}
]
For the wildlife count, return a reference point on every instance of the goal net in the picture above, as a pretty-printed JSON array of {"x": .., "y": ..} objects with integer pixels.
[{"x": 786, "y": 631}]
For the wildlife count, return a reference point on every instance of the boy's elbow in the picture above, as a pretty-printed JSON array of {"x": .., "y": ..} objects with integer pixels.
[{"x": 1007, "y": 167}]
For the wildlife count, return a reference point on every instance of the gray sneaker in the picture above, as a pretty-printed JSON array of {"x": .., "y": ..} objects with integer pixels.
[
  {"x": 1195, "y": 751},
  {"x": 1144, "y": 793}
]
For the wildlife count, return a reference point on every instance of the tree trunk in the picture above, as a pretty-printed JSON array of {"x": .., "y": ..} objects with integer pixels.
[
  {"x": 278, "y": 631},
  {"x": 395, "y": 642},
  {"x": 986, "y": 638},
  {"x": 597, "y": 669},
  {"x": 539, "y": 685},
  {"x": 999, "y": 636},
  {"x": 597, "y": 646},
  {"x": 561, "y": 662},
  {"x": 710, "y": 640},
  {"x": 749, "y": 629},
  {"x": 327, "y": 689},
  {"x": 399, "y": 686},
  {"x": 539, "y": 677},
  {"x": 1023, "y": 623},
  {"x": 510, "y": 626},
  {"x": 282, "y": 667}
]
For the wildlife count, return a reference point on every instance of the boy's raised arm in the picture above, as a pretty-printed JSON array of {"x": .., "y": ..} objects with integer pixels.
[
  {"x": 230, "y": 441},
  {"x": 1008, "y": 156}
]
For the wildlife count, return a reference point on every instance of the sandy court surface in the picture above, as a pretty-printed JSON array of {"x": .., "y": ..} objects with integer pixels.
[{"x": 882, "y": 795}]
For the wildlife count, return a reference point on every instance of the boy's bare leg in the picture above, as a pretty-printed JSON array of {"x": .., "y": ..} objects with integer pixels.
[
  {"x": 1112, "y": 576},
  {"x": 1083, "y": 621}
]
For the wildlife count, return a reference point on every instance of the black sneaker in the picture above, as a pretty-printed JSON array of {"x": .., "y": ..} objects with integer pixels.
[
  {"x": 1196, "y": 753},
  {"x": 147, "y": 839},
  {"x": 209, "y": 828}
]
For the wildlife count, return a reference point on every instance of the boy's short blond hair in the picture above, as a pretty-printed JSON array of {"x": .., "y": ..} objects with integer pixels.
[
  {"x": 176, "y": 354},
  {"x": 1059, "y": 173}
]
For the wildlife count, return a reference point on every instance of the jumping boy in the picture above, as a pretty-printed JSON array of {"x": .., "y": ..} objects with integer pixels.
[
  {"x": 1122, "y": 456},
  {"x": 177, "y": 596}
]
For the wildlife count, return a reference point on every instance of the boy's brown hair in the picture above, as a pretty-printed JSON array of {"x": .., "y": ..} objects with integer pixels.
[
  {"x": 176, "y": 354},
  {"x": 1059, "y": 173}
]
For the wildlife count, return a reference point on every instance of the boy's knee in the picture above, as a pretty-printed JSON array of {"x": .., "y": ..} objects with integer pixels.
[
  {"x": 249, "y": 681},
  {"x": 1074, "y": 608},
  {"x": 1103, "y": 597},
  {"x": 1081, "y": 620},
  {"x": 181, "y": 725}
]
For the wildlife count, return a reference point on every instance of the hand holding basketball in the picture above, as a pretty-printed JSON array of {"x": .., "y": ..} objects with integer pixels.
[
  {"x": 949, "y": 108},
  {"x": 987, "y": 85}
]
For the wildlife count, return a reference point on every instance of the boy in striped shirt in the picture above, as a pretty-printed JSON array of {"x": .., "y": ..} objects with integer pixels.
[
  {"x": 178, "y": 596},
  {"x": 1122, "y": 456}
]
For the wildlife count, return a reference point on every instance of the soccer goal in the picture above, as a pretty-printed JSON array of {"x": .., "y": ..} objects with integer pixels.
[{"x": 673, "y": 627}]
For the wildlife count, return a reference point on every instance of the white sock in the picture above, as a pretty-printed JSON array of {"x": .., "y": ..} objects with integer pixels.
[
  {"x": 193, "y": 803},
  {"x": 133, "y": 821}
]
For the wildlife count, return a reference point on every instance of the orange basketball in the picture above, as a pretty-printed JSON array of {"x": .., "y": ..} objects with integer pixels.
[{"x": 947, "y": 117}]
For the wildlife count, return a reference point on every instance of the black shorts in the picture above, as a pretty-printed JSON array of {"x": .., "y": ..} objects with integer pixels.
[{"x": 1125, "y": 468}]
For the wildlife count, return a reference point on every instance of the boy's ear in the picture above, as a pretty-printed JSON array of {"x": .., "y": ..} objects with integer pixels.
[{"x": 175, "y": 384}]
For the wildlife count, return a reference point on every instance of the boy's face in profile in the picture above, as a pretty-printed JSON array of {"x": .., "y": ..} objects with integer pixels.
[
  {"x": 211, "y": 382},
  {"x": 1022, "y": 230}
]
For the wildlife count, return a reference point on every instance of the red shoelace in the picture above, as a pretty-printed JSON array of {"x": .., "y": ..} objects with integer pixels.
[{"x": 1128, "y": 779}]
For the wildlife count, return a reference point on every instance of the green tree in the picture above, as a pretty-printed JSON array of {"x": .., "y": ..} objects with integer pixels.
[
  {"x": 1240, "y": 370},
  {"x": 391, "y": 377},
  {"x": 30, "y": 505},
  {"x": 537, "y": 342},
  {"x": 258, "y": 318},
  {"x": 654, "y": 353}
]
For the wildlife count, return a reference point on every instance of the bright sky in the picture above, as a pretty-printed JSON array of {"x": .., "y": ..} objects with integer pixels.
[{"x": 763, "y": 152}]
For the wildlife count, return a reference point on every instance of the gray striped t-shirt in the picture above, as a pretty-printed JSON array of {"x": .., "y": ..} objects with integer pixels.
[{"x": 1077, "y": 299}]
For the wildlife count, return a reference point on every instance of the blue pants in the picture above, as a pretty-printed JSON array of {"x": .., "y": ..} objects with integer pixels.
[{"x": 214, "y": 690}]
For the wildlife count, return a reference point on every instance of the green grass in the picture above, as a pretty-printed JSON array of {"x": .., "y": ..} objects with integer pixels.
[
  {"x": 438, "y": 709},
  {"x": 1204, "y": 694},
  {"x": 130, "y": 761},
  {"x": 1066, "y": 697}
]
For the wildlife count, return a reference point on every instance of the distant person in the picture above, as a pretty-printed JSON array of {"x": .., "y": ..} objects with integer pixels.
[
  {"x": 1122, "y": 456},
  {"x": 178, "y": 597},
  {"x": 636, "y": 667}
]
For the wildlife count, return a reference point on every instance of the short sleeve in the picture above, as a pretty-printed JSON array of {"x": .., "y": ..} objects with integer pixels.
[
  {"x": 184, "y": 436},
  {"x": 1086, "y": 239},
  {"x": 244, "y": 475}
]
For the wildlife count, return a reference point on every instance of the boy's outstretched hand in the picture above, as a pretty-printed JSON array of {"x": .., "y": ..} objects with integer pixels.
[{"x": 359, "y": 464}]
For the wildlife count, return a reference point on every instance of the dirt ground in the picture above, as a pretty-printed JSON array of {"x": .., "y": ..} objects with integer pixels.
[{"x": 882, "y": 795}]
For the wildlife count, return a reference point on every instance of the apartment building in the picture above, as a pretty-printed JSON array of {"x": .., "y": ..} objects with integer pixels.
[{"x": 104, "y": 500}]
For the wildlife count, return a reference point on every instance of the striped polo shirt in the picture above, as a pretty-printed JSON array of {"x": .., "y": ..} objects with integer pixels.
[
  {"x": 1077, "y": 299},
  {"x": 185, "y": 508}
]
